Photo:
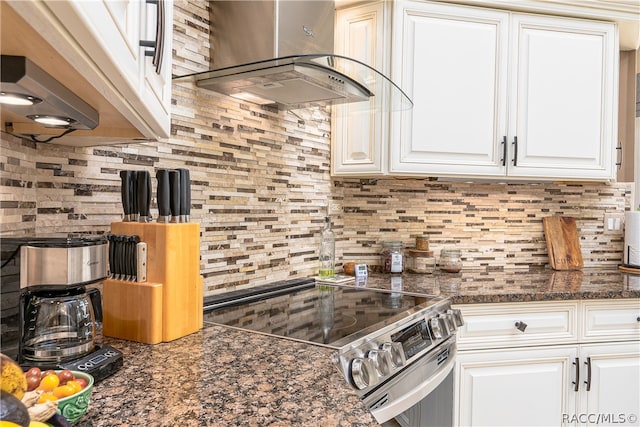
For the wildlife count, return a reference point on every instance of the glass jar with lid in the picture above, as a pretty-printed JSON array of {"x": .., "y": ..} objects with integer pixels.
[
  {"x": 450, "y": 260},
  {"x": 392, "y": 256}
]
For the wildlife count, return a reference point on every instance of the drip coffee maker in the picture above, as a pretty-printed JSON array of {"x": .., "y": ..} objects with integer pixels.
[{"x": 51, "y": 303}]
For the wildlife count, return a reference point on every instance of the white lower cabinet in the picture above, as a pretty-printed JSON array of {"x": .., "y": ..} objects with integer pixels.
[
  {"x": 592, "y": 378},
  {"x": 515, "y": 387},
  {"x": 613, "y": 378}
]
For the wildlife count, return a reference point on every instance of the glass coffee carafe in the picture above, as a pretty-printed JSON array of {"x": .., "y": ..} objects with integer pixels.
[{"x": 60, "y": 325}]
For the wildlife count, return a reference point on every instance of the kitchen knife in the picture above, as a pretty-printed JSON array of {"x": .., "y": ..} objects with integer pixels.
[
  {"x": 128, "y": 254},
  {"x": 111, "y": 255},
  {"x": 143, "y": 194},
  {"x": 185, "y": 195},
  {"x": 117, "y": 248},
  {"x": 135, "y": 210},
  {"x": 174, "y": 195},
  {"x": 163, "y": 197},
  {"x": 133, "y": 258},
  {"x": 126, "y": 194}
]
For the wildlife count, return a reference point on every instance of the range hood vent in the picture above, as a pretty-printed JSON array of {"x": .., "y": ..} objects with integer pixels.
[
  {"x": 281, "y": 52},
  {"x": 29, "y": 91}
]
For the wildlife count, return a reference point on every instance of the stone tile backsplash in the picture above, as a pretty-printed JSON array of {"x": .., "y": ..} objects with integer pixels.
[{"x": 261, "y": 183}]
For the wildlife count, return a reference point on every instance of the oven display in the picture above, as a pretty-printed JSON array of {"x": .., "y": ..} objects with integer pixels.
[{"x": 414, "y": 338}]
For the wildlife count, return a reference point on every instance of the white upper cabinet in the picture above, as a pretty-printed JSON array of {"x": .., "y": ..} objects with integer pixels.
[
  {"x": 497, "y": 94},
  {"x": 101, "y": 41},
  {"x": 452, "y": 62},
  {"x": 563, "y": 98},
  {"x": 360, "y": 129},
  {"x": 501, "y": 94}
]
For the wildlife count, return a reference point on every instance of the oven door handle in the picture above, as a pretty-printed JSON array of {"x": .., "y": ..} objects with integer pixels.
[{"x": 393, "y": 409}]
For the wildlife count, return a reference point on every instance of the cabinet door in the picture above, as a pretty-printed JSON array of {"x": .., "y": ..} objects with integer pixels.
[
  {"x": 452, "y": 62},
  {"x": 563, "y": 98},
  {"x": 359, "y": 129},
  {"x": 155, "y": 90},
  {"x": 614, "y": 381},
  {"x": 515, "y": 387},
  {"x": 111, "y": 27}
]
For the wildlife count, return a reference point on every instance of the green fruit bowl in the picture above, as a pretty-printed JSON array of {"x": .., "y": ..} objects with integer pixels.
[{"x": 75, "y": 406}]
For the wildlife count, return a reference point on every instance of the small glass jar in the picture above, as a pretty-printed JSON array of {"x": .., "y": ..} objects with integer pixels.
[
  {"x": 392, "y": 257},
  {"x": 450, "y": 260},
  {"x": 422, "y": 262}
]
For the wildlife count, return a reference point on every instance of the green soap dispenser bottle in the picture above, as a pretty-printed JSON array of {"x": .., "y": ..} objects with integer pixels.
[{"x": 327, "y": 254}]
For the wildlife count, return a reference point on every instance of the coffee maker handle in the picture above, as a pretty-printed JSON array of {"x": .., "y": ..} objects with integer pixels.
[{"x": 96, "y": 302}]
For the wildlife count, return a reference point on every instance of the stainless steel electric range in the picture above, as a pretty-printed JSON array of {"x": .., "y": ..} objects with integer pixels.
[{"x": 395, "y": 349}]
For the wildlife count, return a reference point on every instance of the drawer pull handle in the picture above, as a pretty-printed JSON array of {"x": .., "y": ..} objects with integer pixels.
[
  {"x": 588, "y": 381},
  {"x": 576, "y": 383},
  {"x": 638, "y": 319},
  {"x": 521, "y": 326}
]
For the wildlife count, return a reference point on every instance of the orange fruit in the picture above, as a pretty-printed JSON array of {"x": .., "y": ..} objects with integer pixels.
[
  {"x": 75, "y": 385},
  {"x": 47, "y": 396},
  {"x": 63, "y": 391},
  {"x": 49, "y": 382}
]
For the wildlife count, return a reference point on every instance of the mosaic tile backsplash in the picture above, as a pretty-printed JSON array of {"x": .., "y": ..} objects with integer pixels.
[{"x": 261, "y": 184}]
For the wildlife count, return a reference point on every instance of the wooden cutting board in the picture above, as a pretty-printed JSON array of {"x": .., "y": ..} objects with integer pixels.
[{"x": 563, "y": 243}]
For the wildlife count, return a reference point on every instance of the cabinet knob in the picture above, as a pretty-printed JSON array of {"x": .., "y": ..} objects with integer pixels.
[{"x": 521, "y": 326}]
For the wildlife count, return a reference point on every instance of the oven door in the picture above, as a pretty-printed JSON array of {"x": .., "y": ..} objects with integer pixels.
[{"x": 421, "y": 394}]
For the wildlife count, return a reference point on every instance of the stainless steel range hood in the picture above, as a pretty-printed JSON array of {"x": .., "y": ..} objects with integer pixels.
[{"x": 281, "y": 52}]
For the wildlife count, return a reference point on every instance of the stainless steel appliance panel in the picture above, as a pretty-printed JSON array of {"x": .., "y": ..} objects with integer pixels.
[
  {"x": 62, "y": 266},
  {"x": 253, "y": 31}
]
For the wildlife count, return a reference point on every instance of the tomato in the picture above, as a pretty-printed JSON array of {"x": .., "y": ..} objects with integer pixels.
[
  {"x": 75, "y": 385},
  {"x": 82, "y": 382},
  {"x": 49, "y": 382},
  {"x": 33, "y": 372},
  {"x": 65, "y": 376},
  {"x": 33, "y": 382},
  {"x": 45, "y": 397},
  {"x": 63, "y": 391}
]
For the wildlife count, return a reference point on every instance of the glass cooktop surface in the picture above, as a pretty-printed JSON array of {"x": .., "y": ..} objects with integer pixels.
[{"x": 318, "y": 314}]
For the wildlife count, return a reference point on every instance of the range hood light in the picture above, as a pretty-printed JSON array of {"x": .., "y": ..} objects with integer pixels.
[
  {"x": 9, "y": 98},
  {"x": 249, "y": 97},
  {"x": 52, "y": 121}
]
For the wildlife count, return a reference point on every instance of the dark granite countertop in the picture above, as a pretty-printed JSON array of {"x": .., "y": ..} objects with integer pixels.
[
  {"x": 225, "y": 377},
  {"x": 221, "y": 377},
  {"x": 471, "y": 287}
]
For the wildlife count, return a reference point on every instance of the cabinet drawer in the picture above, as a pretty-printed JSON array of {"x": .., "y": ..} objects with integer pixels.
[
  {"x": 495, "y": 325},
  {"x": 611, "y": 320}
]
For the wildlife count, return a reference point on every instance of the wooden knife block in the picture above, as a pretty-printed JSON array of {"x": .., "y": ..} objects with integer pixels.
[{"x": 169, "y": 305}]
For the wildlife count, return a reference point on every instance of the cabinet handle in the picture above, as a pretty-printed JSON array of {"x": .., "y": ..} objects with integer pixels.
[
  {"x": 515, "y": 150},
  {"x": 588, "y": 381},
  {"x": 504, "y": 151},
  {"x": 619, "y": 156},
  {"x": 158, "y": 43},
  {"x": 521, "y": 326},
  {"x": 576, "y": 383}
]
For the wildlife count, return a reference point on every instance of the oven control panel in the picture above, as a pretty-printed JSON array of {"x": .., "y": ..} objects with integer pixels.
[{"x": 380, "y": 355}]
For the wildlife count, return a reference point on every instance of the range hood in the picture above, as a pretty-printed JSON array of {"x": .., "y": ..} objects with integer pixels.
[{"x": 281, "y": 52}]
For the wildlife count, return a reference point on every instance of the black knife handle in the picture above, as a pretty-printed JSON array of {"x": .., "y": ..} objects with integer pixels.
[
  {"x": 143, "y": 193},
  {"x": 164, "y": 209},
  {"x": 174, "y": 192},
  {"x": 185, "y": 194},
  {"x": 112, "y": 249},
  {"x": 133, "y": 199},
  {"x": 125, "y": 193}
]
